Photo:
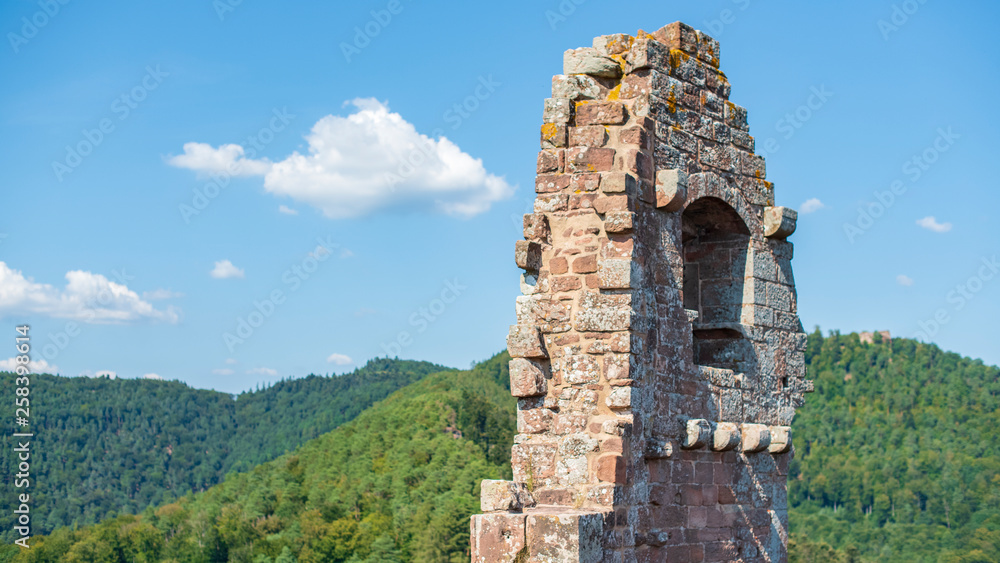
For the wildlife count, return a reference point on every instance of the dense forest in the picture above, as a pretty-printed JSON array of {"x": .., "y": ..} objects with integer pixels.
[
  {"x": 398, "y": 483},
  {"x": 115, "y": 446},
  {"x": 896, "y": 455},
  {"x": 896, "y": 459}
]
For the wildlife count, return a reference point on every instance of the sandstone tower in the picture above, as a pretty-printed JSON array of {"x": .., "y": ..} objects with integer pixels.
[{"x": 657, "y": 356}]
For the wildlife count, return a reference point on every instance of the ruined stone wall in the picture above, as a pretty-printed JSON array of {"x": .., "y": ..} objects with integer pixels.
[{"x": 657, "y": 355}]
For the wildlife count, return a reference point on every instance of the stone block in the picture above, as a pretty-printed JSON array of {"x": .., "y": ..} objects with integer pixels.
[
  {"x": 779, "y": 222},
  {"x": 498, "y": 538},
  {"x": 528, "y": 255},
  {"x": 589, "y": 159},
  {"x": 619, "y": 221},
  {"x": 600, "y": 113},
  {"x": 618, "y": 183},
  {"x": 671, "y": 189},
  {"x": 527, "y": 378},
  {"x": 497, "y": 495},
  {"x": 576, "y": 369},
  {"x": 557, "y": 110},
  {"x": 587, "y": 60},
  {"x": 553, "y": 135},
  {"x": 565, "y": 536},
  {"x": 575, "y": 87},
  {"x": 603, "y": 313},
  {"x": 725, "y": 436},
  {"x": 588, "y": 136},
  {"x": 525, "y": 342},
  {"x": 781, "y": 439},
  {"x": 754, "y": 437},
  {"x": 697, "y": 434}
]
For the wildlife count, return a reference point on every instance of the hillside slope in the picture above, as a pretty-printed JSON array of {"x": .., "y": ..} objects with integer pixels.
[
  {"x": 396, "y": 484},
  {"x": 108, "y": 446},
  {"x": 896, "y": 455}
]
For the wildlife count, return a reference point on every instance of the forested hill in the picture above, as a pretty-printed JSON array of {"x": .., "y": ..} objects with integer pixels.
[
  {"x": 897, "y": 457},
  {"x": 105, "y": 446},
  {"x": 398, "y": 483}
]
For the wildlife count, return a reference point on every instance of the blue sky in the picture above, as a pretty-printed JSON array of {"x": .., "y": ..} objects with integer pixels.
[{"x": 117, "y": 115}]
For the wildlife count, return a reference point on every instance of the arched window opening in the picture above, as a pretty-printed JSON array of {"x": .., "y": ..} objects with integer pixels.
[{"x": 716, "y": 242}]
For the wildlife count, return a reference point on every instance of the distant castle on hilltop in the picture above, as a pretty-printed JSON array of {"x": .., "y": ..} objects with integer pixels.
[{"x": 869, "y": 337}]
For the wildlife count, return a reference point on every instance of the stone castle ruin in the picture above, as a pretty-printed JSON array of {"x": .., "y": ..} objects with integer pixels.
[{"x": 657, "y": 356}]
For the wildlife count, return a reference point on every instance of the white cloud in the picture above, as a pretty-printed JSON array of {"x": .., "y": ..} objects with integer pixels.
[
  {"x": 370, "y": 160},
  {"x": 223, "y": 371},
  {"x": 262, "y": 371},
  {"x": 152, "y": 376},
  {"x": 287, "y": 210},
  {"x": 346, "y": 253},
  {"x": 206, "y": 159},
  {"x": 232, "y": 361},
  {"x": 160, "y": 294},
  {"x": 931, "y": 224},
  {"x": 339, "y": 359},
  {"x": 34, "y": 366},
  {"x": 810, "y": 205},
  {"x": 903, "y": 279},
  {"x": 87, "y": 297},
  {"x": 225, "y": 269},
  {"x": 107, "y": 373}
]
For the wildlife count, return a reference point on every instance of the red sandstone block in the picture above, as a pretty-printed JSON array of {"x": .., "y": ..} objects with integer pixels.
[
  {"x": 691, "y": 495},
  {"x": 550, "y": 160},
  {"x": 697, "y": 553},
  {"x": 588, "y": 136},
  {"x": 662, "y": 495},
  {"x": 613, "y": 445},
  {"x": 638, "y": 163},
  {"x": 565, "y": 283},
  {"x": 584, "y": 182},
  {"x": 588, "y": 159},
  {"x": 697, "y": 517},
  {"x": 721, "y": 551},
  {"x": 548, "y": 203},
  {"x": 585, "y": 264},
  {"x": 536, "y": 227},
  {"x": 548, "y": 183},
  {"x": 554, "y": 135},
  {"x": 497, "y": 537},
  {"x": 636, "y": 136},
  {"x": 611, "y": 468},
  {"x": 668, "y": 517},
  {"x": 678, "y": 553},
  {"x": 558, "y": 265},
  {"x": 600, "y": 113},
  {"x": 612, "y": 203},
  {"x": 709, "y": 494},
  {"x": 683, "y": 472},
  {"x": 593, "y": 281},
  {"x": 726, "y": 495},
  {"x": 582, "y": 201},
  {"x": 704, "y": 472}
]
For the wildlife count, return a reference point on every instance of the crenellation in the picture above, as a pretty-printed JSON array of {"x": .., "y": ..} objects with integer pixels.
[{"x": 658, "y": 357}]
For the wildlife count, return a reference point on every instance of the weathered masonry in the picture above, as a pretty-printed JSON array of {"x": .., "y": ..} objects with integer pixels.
[{"x": 657, "y": 356}]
